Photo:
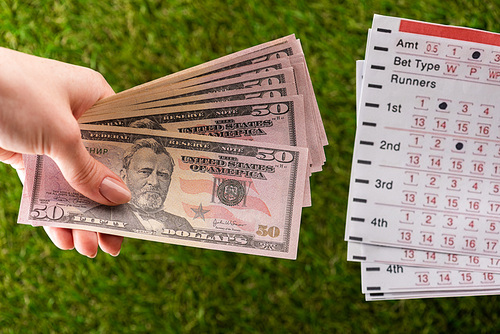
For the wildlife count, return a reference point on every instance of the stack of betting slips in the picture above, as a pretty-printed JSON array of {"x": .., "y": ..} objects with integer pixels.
[
  {"x": 424, "y": 201},
  {"x": 217, "y": 156}
]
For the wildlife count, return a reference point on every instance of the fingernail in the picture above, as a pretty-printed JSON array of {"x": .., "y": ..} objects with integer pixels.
[
  {"x": 115, "y": 255},
  {"x": 114, "y": 191}
]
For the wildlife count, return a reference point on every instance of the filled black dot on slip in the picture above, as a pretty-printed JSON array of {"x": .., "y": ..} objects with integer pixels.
[
  {"x": 443, "y": 105},
  {"x": 476, "y": 55},
  {"x": 459, "y": 146}
]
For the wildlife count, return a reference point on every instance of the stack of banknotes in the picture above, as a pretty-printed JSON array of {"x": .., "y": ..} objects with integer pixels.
[{"x": 217, "y": 156}]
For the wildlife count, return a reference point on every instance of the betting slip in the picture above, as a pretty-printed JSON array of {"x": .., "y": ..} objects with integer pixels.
[{"x": 424, "y": 200}]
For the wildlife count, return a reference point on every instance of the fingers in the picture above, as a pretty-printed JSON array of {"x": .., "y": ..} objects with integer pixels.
[
  {"x": 61, "y": 237},
  {"x": 110, "y": 244},
  {"x": 95, "y": 181},
  {"x": 85, "y": 242}
]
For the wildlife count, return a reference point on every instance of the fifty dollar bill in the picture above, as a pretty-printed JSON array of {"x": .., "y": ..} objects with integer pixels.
[{"x": 188, "y": 190}]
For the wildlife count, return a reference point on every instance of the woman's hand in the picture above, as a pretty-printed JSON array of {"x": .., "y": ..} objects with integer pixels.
[{"x": 40, "y": 102}]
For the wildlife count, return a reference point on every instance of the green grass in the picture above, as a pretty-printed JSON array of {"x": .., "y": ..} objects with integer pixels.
[{"x": 160, "y": 288}]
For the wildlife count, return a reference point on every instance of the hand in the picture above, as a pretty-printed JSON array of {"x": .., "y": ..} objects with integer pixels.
[{"x": 40, "y": 102}]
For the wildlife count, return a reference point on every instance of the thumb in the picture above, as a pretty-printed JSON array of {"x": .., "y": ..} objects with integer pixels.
[{"x": 90, "y": 177}]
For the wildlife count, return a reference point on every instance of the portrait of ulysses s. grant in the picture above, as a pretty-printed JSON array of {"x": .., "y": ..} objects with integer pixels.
[{"x": 147, "y": 172}]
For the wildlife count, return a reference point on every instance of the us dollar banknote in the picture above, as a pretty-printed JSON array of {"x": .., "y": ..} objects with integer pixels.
[
  {"x": 189, "y": 190},
  {"x": 263, "y": 85},
  {"x": 259, "y": 54},
  {"x": 258, "y": 75},
  {"x": 277, "y": 120}
]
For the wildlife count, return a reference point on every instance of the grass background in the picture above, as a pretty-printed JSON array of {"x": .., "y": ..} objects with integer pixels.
[{"x": 159, "y": 288}]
